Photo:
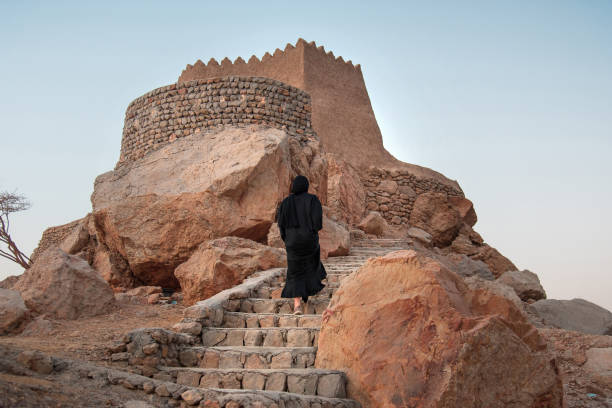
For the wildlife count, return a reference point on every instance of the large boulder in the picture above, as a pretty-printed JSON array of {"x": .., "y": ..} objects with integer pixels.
[
  {"x": 525, "y": 283},
  {"x": 465, "y": 266},
  {"x": 423, "y": 237},
  {"x": 63, "y": 286},
  {"x": 113, "y": 267},
  {"x": 334, "y": 239},
  {"x": 409, "y": 332},
  {"x": 346, "y": 196},
  {"x": 223, "y": 263},
  {"x": 576, "y": 314},
  {"x": 469, "y": 242},
  {"x": 497, "y": 263},
  {"x": 374, "y": 224},
  {"x": 13, "y": 311},
  {"x": 465, "y": 208},
  {"x": 432, "y": 212},
  {"x": 155, "y": 211}
]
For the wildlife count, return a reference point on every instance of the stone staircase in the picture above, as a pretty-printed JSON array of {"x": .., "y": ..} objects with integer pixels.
[{"x": 247, "y": 346}]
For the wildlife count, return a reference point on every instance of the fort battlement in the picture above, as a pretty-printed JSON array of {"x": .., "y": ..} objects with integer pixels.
[
  {"x": 285, "y": 65},
  {"x": 304, "y": 90},
  {"x": 342, "y": 115}
]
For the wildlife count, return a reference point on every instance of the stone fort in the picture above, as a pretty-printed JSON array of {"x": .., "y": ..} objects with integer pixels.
[{"x": 302, "y": 89}]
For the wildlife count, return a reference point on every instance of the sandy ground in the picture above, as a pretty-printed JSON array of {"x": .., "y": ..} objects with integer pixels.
[
  {"x": 580, "y": 389},
  {"x": 87, "y": 338}
]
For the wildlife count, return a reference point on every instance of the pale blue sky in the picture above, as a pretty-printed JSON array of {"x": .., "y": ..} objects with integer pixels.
[{"x": 513, "y": 99}]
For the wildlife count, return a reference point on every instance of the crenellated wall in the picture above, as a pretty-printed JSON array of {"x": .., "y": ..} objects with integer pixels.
[
  {"x": 393, "y": 192},
  {"x": 174, "y": 111},
  {"x": 342, "y": 115}
]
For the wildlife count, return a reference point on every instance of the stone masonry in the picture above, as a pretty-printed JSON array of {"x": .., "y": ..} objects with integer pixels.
[
  {"x": 165, "y": 114},
  {"x": 342, "y": 115},
  {"x": 246, "y": 343},
  {"x": 393, "y": 192},
  {"x": 53, "y": 236}
]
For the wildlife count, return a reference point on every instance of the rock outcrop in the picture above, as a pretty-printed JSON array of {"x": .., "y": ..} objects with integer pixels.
[
  {"x": 497, "y": 263},
  {"x": 468, "y": 242},
  {"x": 334, "y": 239},
  {"x": 155, "y": 211},
  {"x": 423, "y": 237},
  {"x": 408, "y": 332},
  {"x": 346, "y": 196},
  {"x": 434, "y": 213},
  {"x": 63, "y": 286},
  {"x": 223, "y": 263},
  {"x": 525, "y": 283},
  {"x": 13, "y": 311},
  {"x": 114, "y": 268},
  {"x": 576, "y": 314},
  {"x": 374, "y": 224}
]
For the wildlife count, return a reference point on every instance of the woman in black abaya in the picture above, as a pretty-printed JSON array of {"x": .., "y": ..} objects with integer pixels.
[{"x": 300, "y": 218}]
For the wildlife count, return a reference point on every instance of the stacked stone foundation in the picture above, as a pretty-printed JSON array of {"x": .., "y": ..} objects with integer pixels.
[
  {"x": 178, "y": 110},
  {"x": 393, "y": 192}
]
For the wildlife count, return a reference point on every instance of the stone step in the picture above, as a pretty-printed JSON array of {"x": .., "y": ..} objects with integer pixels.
[
  {"x": 315, "y": 305},
  {"x": 254, "y": 320},
  {"x": 341, "y": 271},
  {"x": 349, "y": 258},
  {"x": 342, "y": 267},
  {"x": 252, "y": 357},
  {"x": 172, "y": 394},
  {"x": 345, "y": 265},
  {"x": 325, "y": 383},
  {"x": 389, "y": 246},
  {"x": 336, "y": 278},
  {"x": 263, "y": 336},
  {"x": 268, "y": 291}
]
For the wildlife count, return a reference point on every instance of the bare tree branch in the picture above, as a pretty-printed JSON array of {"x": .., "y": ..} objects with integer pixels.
[{"x": 11, "y": 203}]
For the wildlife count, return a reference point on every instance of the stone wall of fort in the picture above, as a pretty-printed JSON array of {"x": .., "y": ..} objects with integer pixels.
[
  {"x": 342, "y": 115},
  {"x": 54, "y": 236},
  {"x": 165, "y": 114},
  {"x": 393, "y": 192}
]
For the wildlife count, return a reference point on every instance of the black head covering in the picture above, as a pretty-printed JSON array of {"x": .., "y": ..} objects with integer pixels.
[
  {"x": 300, "y": 185},
  {"x": 287, "y": 214}
]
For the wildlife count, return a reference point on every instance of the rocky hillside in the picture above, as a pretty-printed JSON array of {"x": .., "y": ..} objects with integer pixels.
[{"x": 421, "y": 310}]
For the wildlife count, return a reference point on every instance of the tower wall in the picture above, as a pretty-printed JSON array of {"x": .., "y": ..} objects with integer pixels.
[
  {"x": 342, "y": 115},
  {"x": 174, "y": 111}
]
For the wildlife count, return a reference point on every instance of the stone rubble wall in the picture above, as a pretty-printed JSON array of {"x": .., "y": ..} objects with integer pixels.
[
  {"x": 165, "y": 114},
  {"x": 54, "y": 236},
  {"x": 393, "y": 192}
]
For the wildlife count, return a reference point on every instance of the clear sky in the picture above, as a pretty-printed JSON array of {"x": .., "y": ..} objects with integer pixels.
[{"x": 511, "y": 98}]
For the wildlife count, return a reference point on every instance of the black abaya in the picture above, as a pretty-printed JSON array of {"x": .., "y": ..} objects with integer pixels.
[{"x": 300, "y": 219}]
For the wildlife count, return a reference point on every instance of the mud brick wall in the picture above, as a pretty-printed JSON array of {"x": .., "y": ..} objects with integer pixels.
[
  {"x": 393, "y": 192},
  {"x": 178, "y": 110}
]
